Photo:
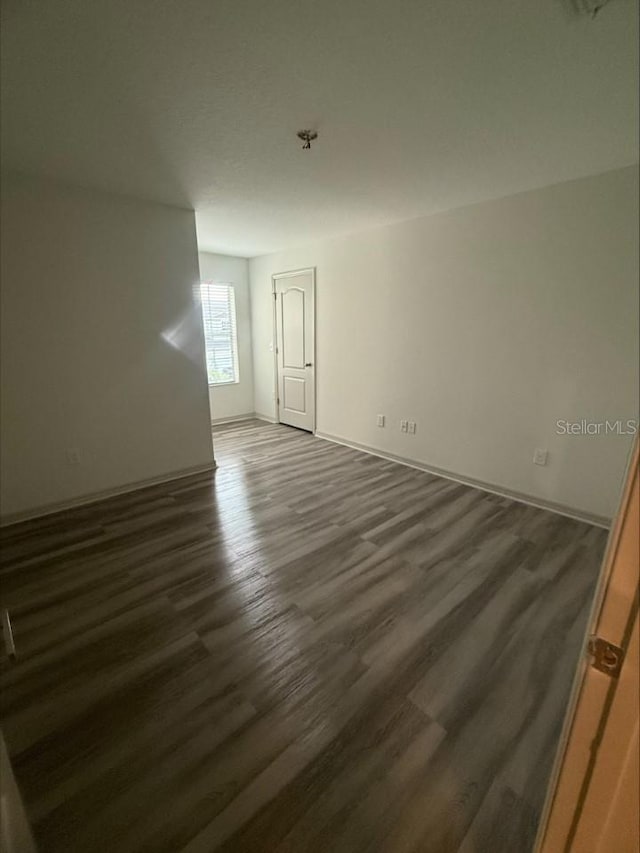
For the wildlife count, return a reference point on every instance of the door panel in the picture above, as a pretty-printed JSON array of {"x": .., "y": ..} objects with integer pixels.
[
  {"x": 293, "y": 394},
  {"x": 292, "y": 324},
  {"x": 295, "y": 348}
]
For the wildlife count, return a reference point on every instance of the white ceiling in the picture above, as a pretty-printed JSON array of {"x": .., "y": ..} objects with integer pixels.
[{"x": 421, "y": 105}]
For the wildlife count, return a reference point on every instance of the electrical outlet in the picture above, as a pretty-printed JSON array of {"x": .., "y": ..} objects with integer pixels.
[
  {"x": 73, "y": 456},
  {"x": 380, "y": 420},
  {"x": 412, "y": 427},
  {"x": 404, "y": 426},
  {"x": 540, "y": 456}
]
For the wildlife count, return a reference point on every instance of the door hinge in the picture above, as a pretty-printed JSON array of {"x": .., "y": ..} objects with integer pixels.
[{"x": 606, "y": 657}]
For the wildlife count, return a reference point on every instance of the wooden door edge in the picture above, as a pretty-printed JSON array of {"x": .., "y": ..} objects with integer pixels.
[{"x": 579, "y": 681}]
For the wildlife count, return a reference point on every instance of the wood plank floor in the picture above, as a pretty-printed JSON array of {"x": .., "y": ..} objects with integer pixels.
[{"x": 312, "y": 649}]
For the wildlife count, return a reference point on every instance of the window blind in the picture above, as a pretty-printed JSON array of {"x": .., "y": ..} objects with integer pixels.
[{"x": 219, "y": 319}]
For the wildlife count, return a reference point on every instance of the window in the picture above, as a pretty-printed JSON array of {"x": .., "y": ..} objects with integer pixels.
[{"x": 219, "y": 318}]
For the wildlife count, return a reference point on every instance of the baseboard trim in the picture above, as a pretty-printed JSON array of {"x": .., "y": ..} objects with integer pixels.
[
  {"x": 560, "y": 509},
  {"x": 232, "y": 420},
  {"x": 96, "y": 497},
  {"x": 250, "y": 416}
]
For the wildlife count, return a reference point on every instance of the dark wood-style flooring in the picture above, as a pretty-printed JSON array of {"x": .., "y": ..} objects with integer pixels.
[{"x": 312, "y": 650}]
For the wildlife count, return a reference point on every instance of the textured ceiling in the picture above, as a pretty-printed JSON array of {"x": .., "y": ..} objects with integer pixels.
[{"x": 421, "y": 105}]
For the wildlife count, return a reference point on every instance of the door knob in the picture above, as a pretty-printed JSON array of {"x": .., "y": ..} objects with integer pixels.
[{"x": 308, "y": 364}]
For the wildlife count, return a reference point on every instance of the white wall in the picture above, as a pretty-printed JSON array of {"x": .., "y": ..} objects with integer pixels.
[
  {"x": 485, "y": 325},
  {"x": 230, "y": 401},
  {"x": 102, "y": 344}
]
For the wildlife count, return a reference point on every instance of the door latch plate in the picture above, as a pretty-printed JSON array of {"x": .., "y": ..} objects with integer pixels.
[{"x": 606, "y": 657}]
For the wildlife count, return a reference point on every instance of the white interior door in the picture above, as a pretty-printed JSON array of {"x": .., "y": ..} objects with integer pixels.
[{"x": 295, "y": 348}]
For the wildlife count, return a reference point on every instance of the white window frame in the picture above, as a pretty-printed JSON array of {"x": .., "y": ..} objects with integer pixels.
[{"x": 233, "y": 316}]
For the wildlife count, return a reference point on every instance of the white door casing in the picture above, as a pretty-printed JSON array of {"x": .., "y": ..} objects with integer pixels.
[{"x": 295, "y": 348}]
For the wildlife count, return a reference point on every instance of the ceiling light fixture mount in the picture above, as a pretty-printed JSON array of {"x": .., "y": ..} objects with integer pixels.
[
  {"x": 589, "y": 7},
  {"x": 307, "y": 136}
]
